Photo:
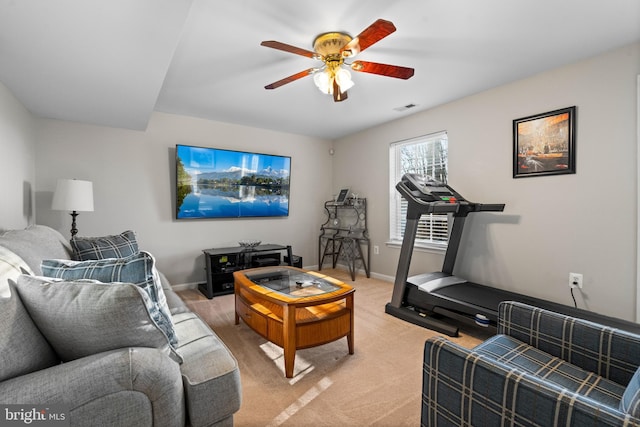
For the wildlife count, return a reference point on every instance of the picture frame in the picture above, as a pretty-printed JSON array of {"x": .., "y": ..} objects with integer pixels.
[{"x": 544, "y": 144}]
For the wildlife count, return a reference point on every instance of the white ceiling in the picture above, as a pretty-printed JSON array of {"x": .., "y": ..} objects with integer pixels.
[{"x": 115, "y": 62}]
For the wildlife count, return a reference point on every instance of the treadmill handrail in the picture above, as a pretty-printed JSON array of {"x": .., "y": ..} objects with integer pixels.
[
  {"x": 458, "y": 207},
  {"x": 489, "y": 207}
]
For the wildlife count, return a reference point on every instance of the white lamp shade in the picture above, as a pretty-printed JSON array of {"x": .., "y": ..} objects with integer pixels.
[
  {"x": 343, "y": 77},
  {"x": 73, "y": 195},
  {"x": 322, "y": 81}
]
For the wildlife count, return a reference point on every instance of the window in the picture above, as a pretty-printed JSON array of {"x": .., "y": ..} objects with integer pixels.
[{"x": 426, "y": 155}]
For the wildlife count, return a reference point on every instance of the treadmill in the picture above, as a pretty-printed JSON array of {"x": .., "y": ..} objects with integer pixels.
[
  {"x": 430, "y": 299},
  {"x": 425, "y": 298}
]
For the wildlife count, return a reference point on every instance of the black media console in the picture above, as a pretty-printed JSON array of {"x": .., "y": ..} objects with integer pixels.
[{"x": 222, "y": 262}]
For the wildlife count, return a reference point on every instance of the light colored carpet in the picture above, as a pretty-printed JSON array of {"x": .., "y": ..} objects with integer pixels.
[{"x": 379, "y": 385}]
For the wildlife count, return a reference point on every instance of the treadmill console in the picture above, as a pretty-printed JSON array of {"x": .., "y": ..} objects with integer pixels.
[{"x": 428, "y": 189}]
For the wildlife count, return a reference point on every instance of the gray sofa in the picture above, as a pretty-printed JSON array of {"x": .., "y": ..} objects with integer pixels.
[{"x": 194, "y": 382}]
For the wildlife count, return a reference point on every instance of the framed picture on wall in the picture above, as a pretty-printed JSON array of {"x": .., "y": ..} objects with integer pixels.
[{"x": 545, "y": 144}]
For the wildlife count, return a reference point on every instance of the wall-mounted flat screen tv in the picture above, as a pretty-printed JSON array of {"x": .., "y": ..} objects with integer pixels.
[{"x": 215, "y": 183}]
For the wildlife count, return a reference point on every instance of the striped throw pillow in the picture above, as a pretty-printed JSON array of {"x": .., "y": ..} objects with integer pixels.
[
  {"x": 138, "y": 269},
  {"x": 117, "y": 246}
]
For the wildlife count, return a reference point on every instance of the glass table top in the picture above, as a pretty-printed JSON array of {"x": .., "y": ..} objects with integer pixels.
[{"x": 293, "y": 283}]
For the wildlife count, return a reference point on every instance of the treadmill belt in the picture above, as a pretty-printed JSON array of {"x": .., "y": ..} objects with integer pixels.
[{"x": 477, "y": 295}]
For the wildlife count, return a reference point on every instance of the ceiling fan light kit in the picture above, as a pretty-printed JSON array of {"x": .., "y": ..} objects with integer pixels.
[{"x": 333, "y": 48}]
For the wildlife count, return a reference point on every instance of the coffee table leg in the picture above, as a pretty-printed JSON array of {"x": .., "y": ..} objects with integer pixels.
[
  {"x": 349, "y": 304},
  {"x": 235, "y": 303},
  {"x": 289, "y": 329}
]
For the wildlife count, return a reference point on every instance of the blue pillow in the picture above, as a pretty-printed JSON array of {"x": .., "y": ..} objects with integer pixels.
[
  {"x": 630, "y": 403},
  {"x": 138, "y": 269},
  {"x": 118, "y": 246}
]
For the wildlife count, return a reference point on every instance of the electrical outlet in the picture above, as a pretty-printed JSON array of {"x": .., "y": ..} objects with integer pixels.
[
  {"x": 376, "y": 250},
  {"x": 575, "y": 280}
]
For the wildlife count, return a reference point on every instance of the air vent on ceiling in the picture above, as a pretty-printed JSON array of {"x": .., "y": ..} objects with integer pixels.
[{"x": 405, "y": 107}]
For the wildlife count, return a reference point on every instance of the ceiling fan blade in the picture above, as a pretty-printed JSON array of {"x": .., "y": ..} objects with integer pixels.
[
  {"x": 382, "y": 69},
  {"x": 290, "y": 79},
  {"x": 370, "y": 35},
  {"x": 337, "y": 95},
  {"x": 288, "y": 48}
]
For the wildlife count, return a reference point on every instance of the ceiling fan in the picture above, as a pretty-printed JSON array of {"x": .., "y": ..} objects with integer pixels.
[{"x": 333, "y": 49}]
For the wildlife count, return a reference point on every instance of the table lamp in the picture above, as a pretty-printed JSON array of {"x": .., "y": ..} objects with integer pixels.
[{"x": 73, "y": 195}]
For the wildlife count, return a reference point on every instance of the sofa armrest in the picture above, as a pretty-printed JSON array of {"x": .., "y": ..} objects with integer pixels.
[
  {"x": 461, "y": 387},
  {"x": 134, "y": 386},
  {"x": 210, "y": 373},
  {"x": 611, "y": 353}
]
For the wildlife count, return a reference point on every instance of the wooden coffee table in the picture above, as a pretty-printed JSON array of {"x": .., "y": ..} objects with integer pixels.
[{"x": 294, "y": 308}]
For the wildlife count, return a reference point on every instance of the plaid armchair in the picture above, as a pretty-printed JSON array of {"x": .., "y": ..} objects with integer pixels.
[{"x": 541, "y": 369}]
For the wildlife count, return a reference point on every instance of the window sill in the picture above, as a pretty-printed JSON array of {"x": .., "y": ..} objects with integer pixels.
[{"x": 420, "y": 247}]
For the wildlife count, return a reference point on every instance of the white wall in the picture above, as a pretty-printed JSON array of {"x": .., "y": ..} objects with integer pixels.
[
  {"x": 583, "y": 223},
  {"x": 133, "y": 178},
  {"x": 17, "y": 173}
]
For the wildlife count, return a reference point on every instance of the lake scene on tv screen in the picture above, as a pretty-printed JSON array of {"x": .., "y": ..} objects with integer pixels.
[{"x": 214, "y": 183}]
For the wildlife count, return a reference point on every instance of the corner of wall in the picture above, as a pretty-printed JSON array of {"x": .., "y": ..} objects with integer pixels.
[{"x": 17, "y": 175}]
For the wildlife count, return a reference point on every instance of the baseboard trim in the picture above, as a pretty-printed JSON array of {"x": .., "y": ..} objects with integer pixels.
[
  {"x": 184, "y": 286},
  {"x": 378, "y": 276}
]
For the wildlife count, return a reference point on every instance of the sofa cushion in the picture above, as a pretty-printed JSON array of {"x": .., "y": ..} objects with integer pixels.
[
  {"x": 209, "y": 369},
  {"x": 84, "y": 318},
  {"x": 138, "y": 269},
  {"x": 35, "y": 243},
  {"x": 175, "y": 304},
  {"x": 24, "y": 349},
  {"x": 513, "y": 352},
  {"x": 630, "y": 402},
  {"x": 117, "y": 246}
]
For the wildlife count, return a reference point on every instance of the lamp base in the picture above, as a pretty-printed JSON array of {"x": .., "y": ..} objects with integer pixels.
[{"x": 74, "y": 230}]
